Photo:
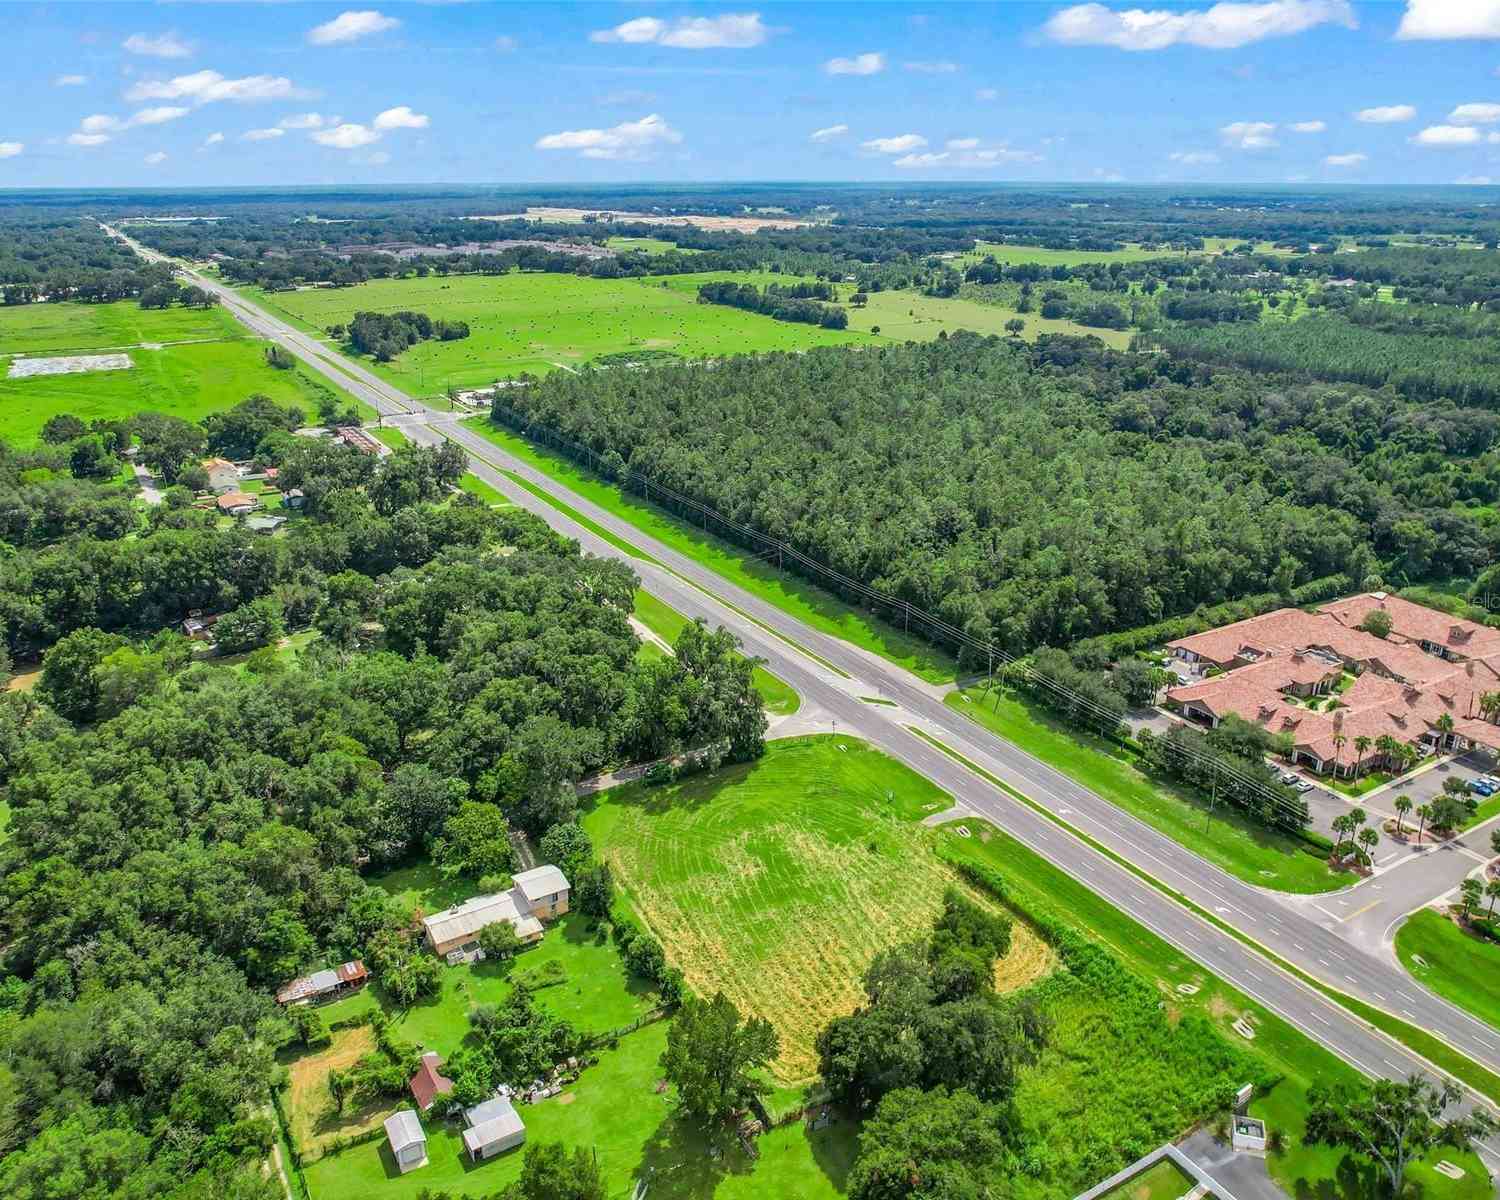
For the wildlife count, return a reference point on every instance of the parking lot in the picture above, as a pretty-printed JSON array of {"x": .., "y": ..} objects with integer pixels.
[{"x": 1324, "y": 804}]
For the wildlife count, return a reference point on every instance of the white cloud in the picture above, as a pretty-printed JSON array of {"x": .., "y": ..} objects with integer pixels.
[
  {"x": 1308, "y": 126},
  {"x": 1224, "y": 26},
  {"x": 733, "y": 31},
  {"x": 1475, "y": 114},
  {"x": 1193, "y": 158},
  {"x": 159, "y": 115},
  {"x": 1475, "y": 180},
  {"x": 1249, "y": 135},
  {"x": 939, "y": 66},
  {"x": 968, "y": 143},
  {"x": 307, "y": 120},
  {"x": 70, "y": 81},
  {"x": 630, "y": 141},
  {"x": 208, "y": 87},
  {"x": 1448, "y": 135},
  {"x": 348, "y": 136},
  {"x": 87, "y": 139},
  {"x": 155, "y": 158},
  {"x": 351, "y": 26},
  {"x": 400, "y": 117},
  {"x": 861, "y": 64},
  {"x": 162, "y": 45},
  {"x": 965, "y": 155},
  {"x": 1346, "y": 160},
  {"x": 505, "y": 43},
  {"x": 899, "y": 144},
  {"x": 262, "y": 135},
  {"x": 11, "y": 149},
  {"x": 100, "y": 123},
  {"x": 1386, "y": 114},
  {"x": 1436, "y": 20},
  {"x": 985, "y": 95},
  {"x": 213, "y": 139},
  {"x": 828, "y": 134}
]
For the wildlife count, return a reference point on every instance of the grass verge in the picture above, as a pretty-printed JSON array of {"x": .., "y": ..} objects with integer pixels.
[
  {"x": 794, "y": 596},
  {"x": 1457, "y": 965}
]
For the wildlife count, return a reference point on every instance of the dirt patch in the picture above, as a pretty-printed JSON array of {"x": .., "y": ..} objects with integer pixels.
[
  {"x": 23, "y": 682},
  {"x": 567, "y": 1098},
  {"x": 310, "y": 1112},
  {"x": 1029, "y": 959},
  {"x": 68, "y": 364},
  {"x": 745, "y": 224}
]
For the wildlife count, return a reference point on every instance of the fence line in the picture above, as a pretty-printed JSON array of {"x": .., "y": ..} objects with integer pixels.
[{"x": 897, "y": 610}]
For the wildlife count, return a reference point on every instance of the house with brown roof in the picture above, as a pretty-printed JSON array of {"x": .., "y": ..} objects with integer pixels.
[
  {"x": 325, "y": 984},
  {"x": 223, "y": 475},
  {"x": 1423, "y": 686},
  {"x": 428, "y": 1083},
  {"x": 238, "y": 504}
]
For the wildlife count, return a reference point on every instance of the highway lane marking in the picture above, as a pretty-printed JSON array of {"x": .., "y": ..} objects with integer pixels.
[{"x": 1356, "y": 912}]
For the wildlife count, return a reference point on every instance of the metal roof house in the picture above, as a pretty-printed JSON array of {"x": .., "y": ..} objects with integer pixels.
[
  {"x": 493, "y": 1128},
  {"x": 325, "y": 983},
  {"x": 536, "y": 895},
  {"x": 407, "y": 1140}
]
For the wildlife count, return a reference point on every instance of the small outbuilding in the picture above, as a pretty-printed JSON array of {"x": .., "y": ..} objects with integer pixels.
[
  {"x": 408, "y": 1141},
  {"x": 321, "y": 985},
  {"x": 493, "y": 1128},
  {"x": 264, "y": 523},
  {"x": 428, "y": 1083}
]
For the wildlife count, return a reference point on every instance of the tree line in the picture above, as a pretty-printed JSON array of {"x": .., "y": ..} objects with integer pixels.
[{"x": 778, "y": 303}]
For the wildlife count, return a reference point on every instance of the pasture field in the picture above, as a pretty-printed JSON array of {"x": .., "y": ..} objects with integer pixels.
[
  {"x": 1240, "y": 846},
  {"x": 650, "y": 245},
  {"x": 75, "y": 327},
  {"x": 1460, "y": 967},
  {"x": 189, "y": 380},
  {"x": 777, "y": 881},
  {"x": 1067, "y": 1098},
  {"x": 536, "y": 322},
  {"x": 1004, "y": 252},
  {"x": 908, "y": 316}
]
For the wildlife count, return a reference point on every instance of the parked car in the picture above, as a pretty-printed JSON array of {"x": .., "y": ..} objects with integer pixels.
[
  {"x": 1303, "y": 785},
  {"x": 1290, "y": 777},
  {"x": 1484, "y": 789},
  {"x": 1492, "y": 780}
]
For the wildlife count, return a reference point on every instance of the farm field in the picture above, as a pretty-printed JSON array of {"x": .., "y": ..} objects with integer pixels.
[
  {"x": 1240, "y": 846},
  {"x": 666, "y": 622},
  {"x": 909, "y": 316},
  {"x": 805, "y": 601},
  {"x": 1036, "y": 887},
  {"x": 774, "y": 881},
  {"x": 60, "y": 328},
  {"x": 1004, "y": 252},
  {"x": 535, "y": 322},
  {"x": 1459, "y": 967},
  {"x": 649, "y": 245}
]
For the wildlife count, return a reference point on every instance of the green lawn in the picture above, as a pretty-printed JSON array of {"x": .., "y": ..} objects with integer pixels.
[
  {"x": 1299, "y": 1061},
  {"x": 781, "y": 698},
  {"x": 1460, "y": 967},
  {"x": 477, "y": 487},
  {"x": 777, "y": 880},
  {"x": 76, "y": 328},
  {"x": 793, "y": 595},
  {"x": 1003, "y": 252},
  {"x": 1163, "y": 1181},
  {"x": 538, "y": 322},
  {"x": 650, "y": 245},
  {"x": 1241, "y": 846},
  {"x": 912, "y": 317},
  {"x": 188, "y": 381},
  {"x": 389, "y": 436},
  {"x": 615, "y": 1112}
]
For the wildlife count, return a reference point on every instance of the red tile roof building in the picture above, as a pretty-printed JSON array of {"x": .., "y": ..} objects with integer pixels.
[
  {"x": 1432, "y": 666},
  {"x": 427, "y": 1084}
]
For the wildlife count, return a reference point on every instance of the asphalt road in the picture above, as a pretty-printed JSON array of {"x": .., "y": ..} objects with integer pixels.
[{"x": 1273, "y": 920}]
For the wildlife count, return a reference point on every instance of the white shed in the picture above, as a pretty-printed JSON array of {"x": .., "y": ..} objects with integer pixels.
[
  {"x": 493, "y": 1127},
  {"x": 408, "y": 1140}
]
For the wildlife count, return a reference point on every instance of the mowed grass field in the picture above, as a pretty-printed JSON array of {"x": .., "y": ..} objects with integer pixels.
[
  {"x": 70, "y": 327},
  {"x": 535, "y": 322},
  {"x": 912, "y": 317},
  {"x": 778, "y": 881},
  {"x": 213, "y": 368},
  {"x": 1003, "y": 252},
  {"x": 1459, "y": 966}
]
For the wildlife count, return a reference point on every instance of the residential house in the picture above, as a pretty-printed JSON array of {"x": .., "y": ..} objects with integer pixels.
[
  {"x": 223, "y": 475},
  {"x": 535, "y": 895},
  {"x": 199, "y": 626},
  {"x": 408, "y": 1141},
  {"x": 293, "y": 498},
  {"x": 428, "y": 1083},
  {"x": 238, "y": 504},
  {"x": 492, "y": 1128},
  {"x": 264, "y": 523},
  {"x": 325, "y": 984}
]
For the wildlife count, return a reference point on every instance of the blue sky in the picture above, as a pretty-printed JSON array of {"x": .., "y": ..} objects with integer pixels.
[{"x": 218, "y": 94}]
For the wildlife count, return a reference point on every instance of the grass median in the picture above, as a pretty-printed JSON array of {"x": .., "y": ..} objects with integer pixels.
[{"x": 1459, "y": 966}]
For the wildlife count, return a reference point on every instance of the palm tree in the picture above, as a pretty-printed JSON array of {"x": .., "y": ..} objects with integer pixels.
[
  {"x": 1423, "y": 812},
  {"x": 1489, "y": 705},
  {"x": 1341, "y": 826},
  {"x": 1444, "y": 725},
  {"x": 1469, "y": 892},
  {"x": 1369, "y": 839},
  {"x": 1362, "y": 746},
  {"x": 1338, "y": 748},
  {"x": 1402, "y": 807},
  {"x": 1493, "y": 892}
]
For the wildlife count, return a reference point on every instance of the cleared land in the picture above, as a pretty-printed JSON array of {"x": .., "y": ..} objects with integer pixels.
[
  {"x": 189, "y": 380},
  {"x": 805, "y": 601},
  {"x": 1243, "y": 847},
  {"x": 1456, "y": 964},
  {"x": 534, "y": 322},
  {"x": 745, "y": 224},
  {"x": 1003, "y": 252},
  {"x": 775, "y": 881},
  {"x": 912, "y": 317}
]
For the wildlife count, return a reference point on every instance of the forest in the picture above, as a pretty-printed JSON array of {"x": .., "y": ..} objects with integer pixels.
[{"x": 1036, "y": 495}]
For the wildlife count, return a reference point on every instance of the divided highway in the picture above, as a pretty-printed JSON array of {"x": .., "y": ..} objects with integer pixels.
[{"x": 1269, "y": 919}]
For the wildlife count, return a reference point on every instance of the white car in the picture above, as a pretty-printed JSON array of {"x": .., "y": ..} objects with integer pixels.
[
  {"x": 1290, "y": 777},
  {"x": 1492, "y": 780},
  {"x": 1303, "y": 785}
]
